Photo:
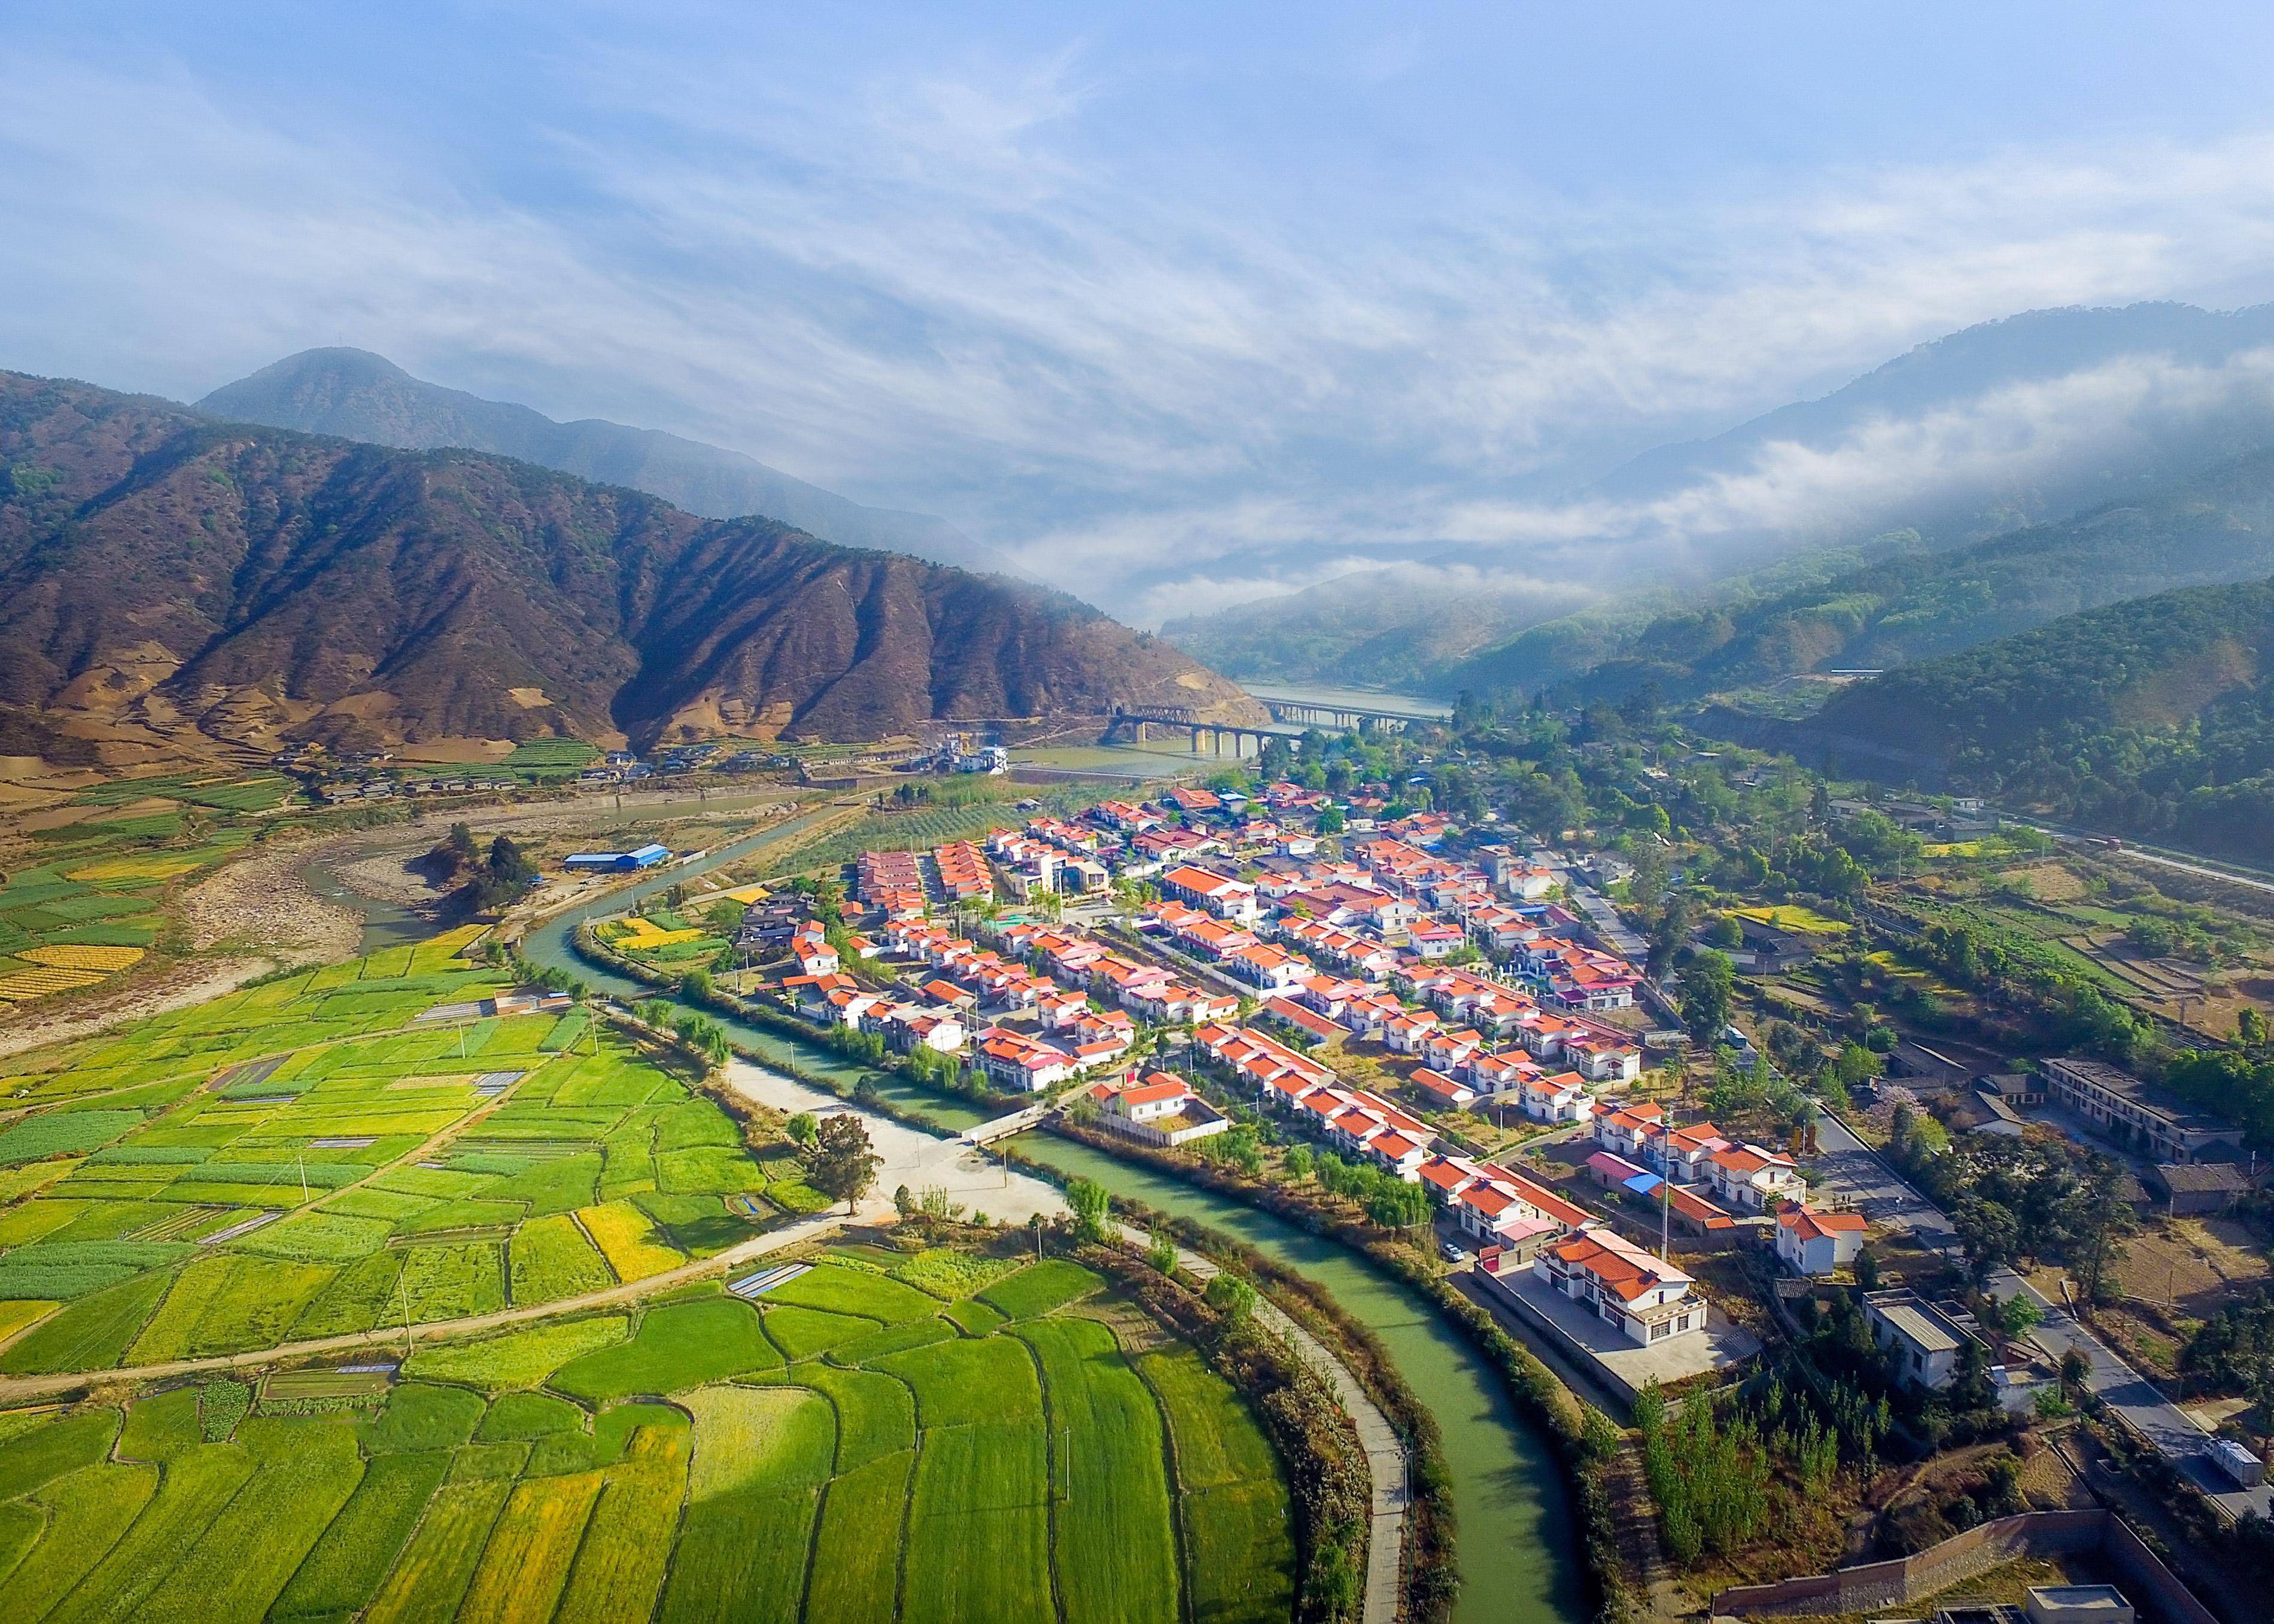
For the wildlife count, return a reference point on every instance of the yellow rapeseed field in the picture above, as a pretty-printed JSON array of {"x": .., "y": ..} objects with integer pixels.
[
  {"x": 628, "y": 1240},
  {"x": 24, "y": 984},
  {"x": 133, "y": 869},
  {"x": 76, "y": 956}
]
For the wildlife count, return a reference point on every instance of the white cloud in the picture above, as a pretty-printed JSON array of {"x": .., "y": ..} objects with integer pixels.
[{"x": 932, "y": 290}]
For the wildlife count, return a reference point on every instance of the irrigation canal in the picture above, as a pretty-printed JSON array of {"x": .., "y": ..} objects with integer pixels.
[{"x": 1518, "y": 1560}]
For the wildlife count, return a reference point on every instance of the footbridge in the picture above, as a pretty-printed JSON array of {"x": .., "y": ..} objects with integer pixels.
[{"x": 1003, "y": 1127}]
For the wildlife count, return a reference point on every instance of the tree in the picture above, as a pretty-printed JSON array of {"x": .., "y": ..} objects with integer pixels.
[
  {"x": 804, "y": 1127},
  {"x": 1092, "y": 1203},
  {"x": 1330, "y": 1587},
  {"x": 904, "y": 1201},
  {"x": 2018, "y": 1315},
  {"x": 1396, "y": 1205},
  {"x": 1161, "y": 1254},
  {"x": 1231, "y": 1296},
  {"x": 1706, "y": 986},
  {"x": 2098, "y": 1219},
  {"x": 843, "y": 1164}
]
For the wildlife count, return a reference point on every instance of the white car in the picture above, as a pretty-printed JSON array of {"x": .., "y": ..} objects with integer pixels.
[{"x": 1456, "y": 1253}]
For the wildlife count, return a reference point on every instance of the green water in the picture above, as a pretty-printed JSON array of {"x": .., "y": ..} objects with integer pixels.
[{"x": 1517, "y": 1558}]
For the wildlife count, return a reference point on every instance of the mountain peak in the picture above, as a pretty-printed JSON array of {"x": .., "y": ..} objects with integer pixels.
[{"x": 357, "y": 395}]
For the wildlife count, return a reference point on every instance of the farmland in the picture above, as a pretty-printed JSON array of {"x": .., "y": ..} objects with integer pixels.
[
  {"x": 686, "y": 1457},
  {"x": 367, "y": 1144}
]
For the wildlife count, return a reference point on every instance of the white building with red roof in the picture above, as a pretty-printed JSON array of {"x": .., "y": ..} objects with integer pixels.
[
  {"x": 1753, "y": 1178},
  {"x": 1817, "y": 1243},
  {"x": 1496, "y": 1206},
  {"x": 1018, "y": 1063},
  {"x": 1638, "y": 1292}
]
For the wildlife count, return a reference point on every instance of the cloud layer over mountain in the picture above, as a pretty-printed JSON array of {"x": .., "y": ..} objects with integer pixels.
[{"x": 1174, "y": 309}]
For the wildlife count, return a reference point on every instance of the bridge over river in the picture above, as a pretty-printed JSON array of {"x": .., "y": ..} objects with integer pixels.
[{"x": 1294, "y": 711}]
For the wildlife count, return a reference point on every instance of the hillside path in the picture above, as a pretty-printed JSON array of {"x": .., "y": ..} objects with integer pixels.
[{"x": 1385, "y": 1451}]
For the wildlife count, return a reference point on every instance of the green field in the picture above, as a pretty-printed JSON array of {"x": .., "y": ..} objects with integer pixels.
[
  {"x": 320, "y": 1155},
  {"x": 692, "y": 1458}
]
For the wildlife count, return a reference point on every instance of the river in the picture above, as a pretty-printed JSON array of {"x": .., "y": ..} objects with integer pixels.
[
  {"x": 1518, "y": 1555},
  {"x": 1358, "y": 698}
]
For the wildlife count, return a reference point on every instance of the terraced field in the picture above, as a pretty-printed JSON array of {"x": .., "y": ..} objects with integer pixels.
[
  {"x": 692, "y": 1458},
  {"x": 348, "y": 1148}
]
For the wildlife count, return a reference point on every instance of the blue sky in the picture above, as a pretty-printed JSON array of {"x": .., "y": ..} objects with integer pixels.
[{"x": 1175, "y": 303}]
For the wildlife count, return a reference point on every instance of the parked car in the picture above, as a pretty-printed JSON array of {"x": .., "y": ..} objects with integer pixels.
[{"x": 1456, "y": 1252}]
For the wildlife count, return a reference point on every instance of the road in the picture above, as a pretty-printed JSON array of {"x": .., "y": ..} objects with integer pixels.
[
  {"x": 2176, "y": 1433},
  {"x": 1854, "y": 1169},
  {"x": 1882, "y": 1195},
  {"x": 2148, "y": 854}
]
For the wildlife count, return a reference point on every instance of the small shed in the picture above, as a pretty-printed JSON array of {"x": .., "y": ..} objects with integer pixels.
[{"x": 2192, "y": 1187}]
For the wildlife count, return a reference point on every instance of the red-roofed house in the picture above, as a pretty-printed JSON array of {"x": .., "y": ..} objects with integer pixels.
[
  {"x": 1641, "y": 1293},
  {"x": 1815, "y": 1244},
  {"x": 1753, "y": 1178},
  {"x": 1602, "y": 1060},
  {"x": 1020, "y": 1065},
  {"x": 1562, "y": 1098},
  {"x": 1226, "y": 897},
  {"x": 1626, "y": 1131},
  {"x": 1441, "y": 1090},
  {"x": 1691, "y": 1214}
]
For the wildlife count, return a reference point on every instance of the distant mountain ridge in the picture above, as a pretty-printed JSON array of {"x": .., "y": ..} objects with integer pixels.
[
  {"x": 359, "y": 395},
  {"x": 166, "y": 575},
  {"x": 1907, "y": 601},
  {"x": 2036, "y": 418}
]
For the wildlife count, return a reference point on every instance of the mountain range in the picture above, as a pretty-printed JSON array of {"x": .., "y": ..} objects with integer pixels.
[
  {"x": 167, "y": 576},
  {"x": 359, "y": 395},
  {"x": 2000, "y": 430},
  {"x": 1901, "y": 598}
]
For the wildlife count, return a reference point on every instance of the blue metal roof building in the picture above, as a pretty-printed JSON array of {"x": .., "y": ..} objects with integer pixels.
[{"x": 617, "y": 862}]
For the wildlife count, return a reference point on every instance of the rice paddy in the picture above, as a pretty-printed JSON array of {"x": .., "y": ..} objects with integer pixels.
[
  {"x": 341, "y": 1150},
  {"x": 696, "y": 1457}
]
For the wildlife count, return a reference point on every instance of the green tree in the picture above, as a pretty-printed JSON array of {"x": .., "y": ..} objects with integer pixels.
[
  {"x": 1231, "y": 1296},
  {"x": 1092, "y": 1205},
  {"x": 843, "y": 1164},
  {"x": 1706, "y": 985},
  {"x": 804, "y": 1129}
]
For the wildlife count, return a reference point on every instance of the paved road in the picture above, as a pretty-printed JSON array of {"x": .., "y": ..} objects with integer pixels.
[
  {"x": 2173, "y": 1432},
  {"x": 1854, "y": 1169}
]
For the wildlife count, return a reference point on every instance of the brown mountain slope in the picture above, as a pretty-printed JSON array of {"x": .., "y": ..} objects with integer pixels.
[{"x": 162, "y": 572}]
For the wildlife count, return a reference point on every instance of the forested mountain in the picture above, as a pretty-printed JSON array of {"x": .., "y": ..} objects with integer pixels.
[
  {"x": 162, "y": 574},
  {"x": 2153, "y": 717},
  {"x": 359, "y": 395},
  {"x": 1902, "y": 599}
]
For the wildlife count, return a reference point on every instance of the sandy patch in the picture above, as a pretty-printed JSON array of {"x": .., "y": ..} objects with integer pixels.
[{"x": 262, "y": 903}]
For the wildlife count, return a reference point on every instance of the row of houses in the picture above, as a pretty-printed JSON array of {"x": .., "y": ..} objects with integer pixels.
[{"x": 1748, "y": 1177}]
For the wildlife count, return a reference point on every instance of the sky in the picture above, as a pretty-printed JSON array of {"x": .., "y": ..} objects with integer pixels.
[{"x": 1176, "y": 305}]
